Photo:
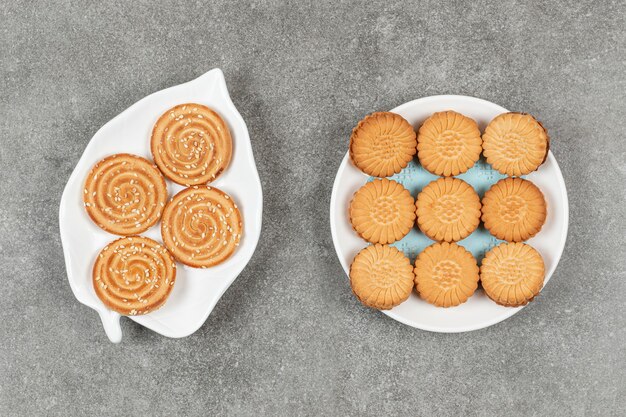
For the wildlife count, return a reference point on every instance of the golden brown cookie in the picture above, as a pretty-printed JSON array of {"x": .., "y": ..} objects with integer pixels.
[
  {"x": 448, "y": 209},
  {"x": 191, "y": 144},
  {"x": 448, "y": 143},
  {"x": 512, "y": 274},
  {"x": 446, "y": 274},
  {"x": 125, "y": 194},
  {"x": 134, "y": 275},
  {"x": 201, "y": 226},
  {"x": 382, "y": 144},
  {"x": 382, "y": 211},
  {"x": 515, "y": 144},
  {"x": 514, "y": 209},
  {"x": 381, "y": 277}
]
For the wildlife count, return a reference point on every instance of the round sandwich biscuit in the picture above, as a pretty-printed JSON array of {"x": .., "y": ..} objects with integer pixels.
[
  {"x": 514, "y": 209},
  {"x": 448, "y": 143},
  {"x": 381, "y": 277},
  {"x": 515, "y": 144},
  {"x": 448, "y": 209},
  {"x": 512, "y": 274},
  {"x": 446, "y": 274},
  {"x": 382, "y": 144},
  {"x": 382, "y": 211}
]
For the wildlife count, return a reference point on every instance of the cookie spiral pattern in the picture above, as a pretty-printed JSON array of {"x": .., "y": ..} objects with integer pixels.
[
  {"x": 381, "y": 276},
  {"x": 134, "y": 275},
  {"x": 515, "y": 144},
  {"x": 448, "y": 143},
  {"x": 191, "y": 144},
  {"x": 514, "y": 209},
  {"x": 201, "y": 226},
  {"x": 448, "y": 209},
  {"x": 512, "y": 274},
  {"x": 125, "y": 194},
  {"x": 382, "y": 144},
  {"x": 446, "y": 274},
  {"x": 382, "y": 211}
]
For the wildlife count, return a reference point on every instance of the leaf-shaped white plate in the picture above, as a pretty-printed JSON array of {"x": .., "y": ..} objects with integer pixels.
[
  {"x": 479, "y": 311},
  {"x": 197, "y": 290}
]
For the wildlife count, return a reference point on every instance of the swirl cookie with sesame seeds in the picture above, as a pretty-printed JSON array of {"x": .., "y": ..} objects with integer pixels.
[
  {"x": 382, "y": 144},
  {"x": 512, "y": 274},
  {"x": 381, "y": 277},
  {"x": 448, "y": 143},
  {"x": 134, "y": 275},
  {"x": 515, "y": 144},
  {"x": 382, "y": 211},
  {"x": 125, "y": 194},
  {"x": 201, "y": 226},
  {"x": 514, "y": 209},
  {"x": 448, "y": 209},
  {"x": 191, "y": 144},
  {"x": 446, "y": 274}
]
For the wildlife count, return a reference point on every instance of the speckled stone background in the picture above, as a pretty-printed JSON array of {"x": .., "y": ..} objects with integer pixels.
[{"x": 288, "y": 338}]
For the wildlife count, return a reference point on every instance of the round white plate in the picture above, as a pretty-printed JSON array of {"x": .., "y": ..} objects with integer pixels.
[
  {"x": 197, "y": 290},
  {"x": 479, "y": 311}
]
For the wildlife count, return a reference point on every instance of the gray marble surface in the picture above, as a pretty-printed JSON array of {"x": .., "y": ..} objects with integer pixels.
[{"x": 288, "y": 338}]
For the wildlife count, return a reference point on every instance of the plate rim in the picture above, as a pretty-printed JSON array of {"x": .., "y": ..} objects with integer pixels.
[{"x": 453, "y": 329}]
